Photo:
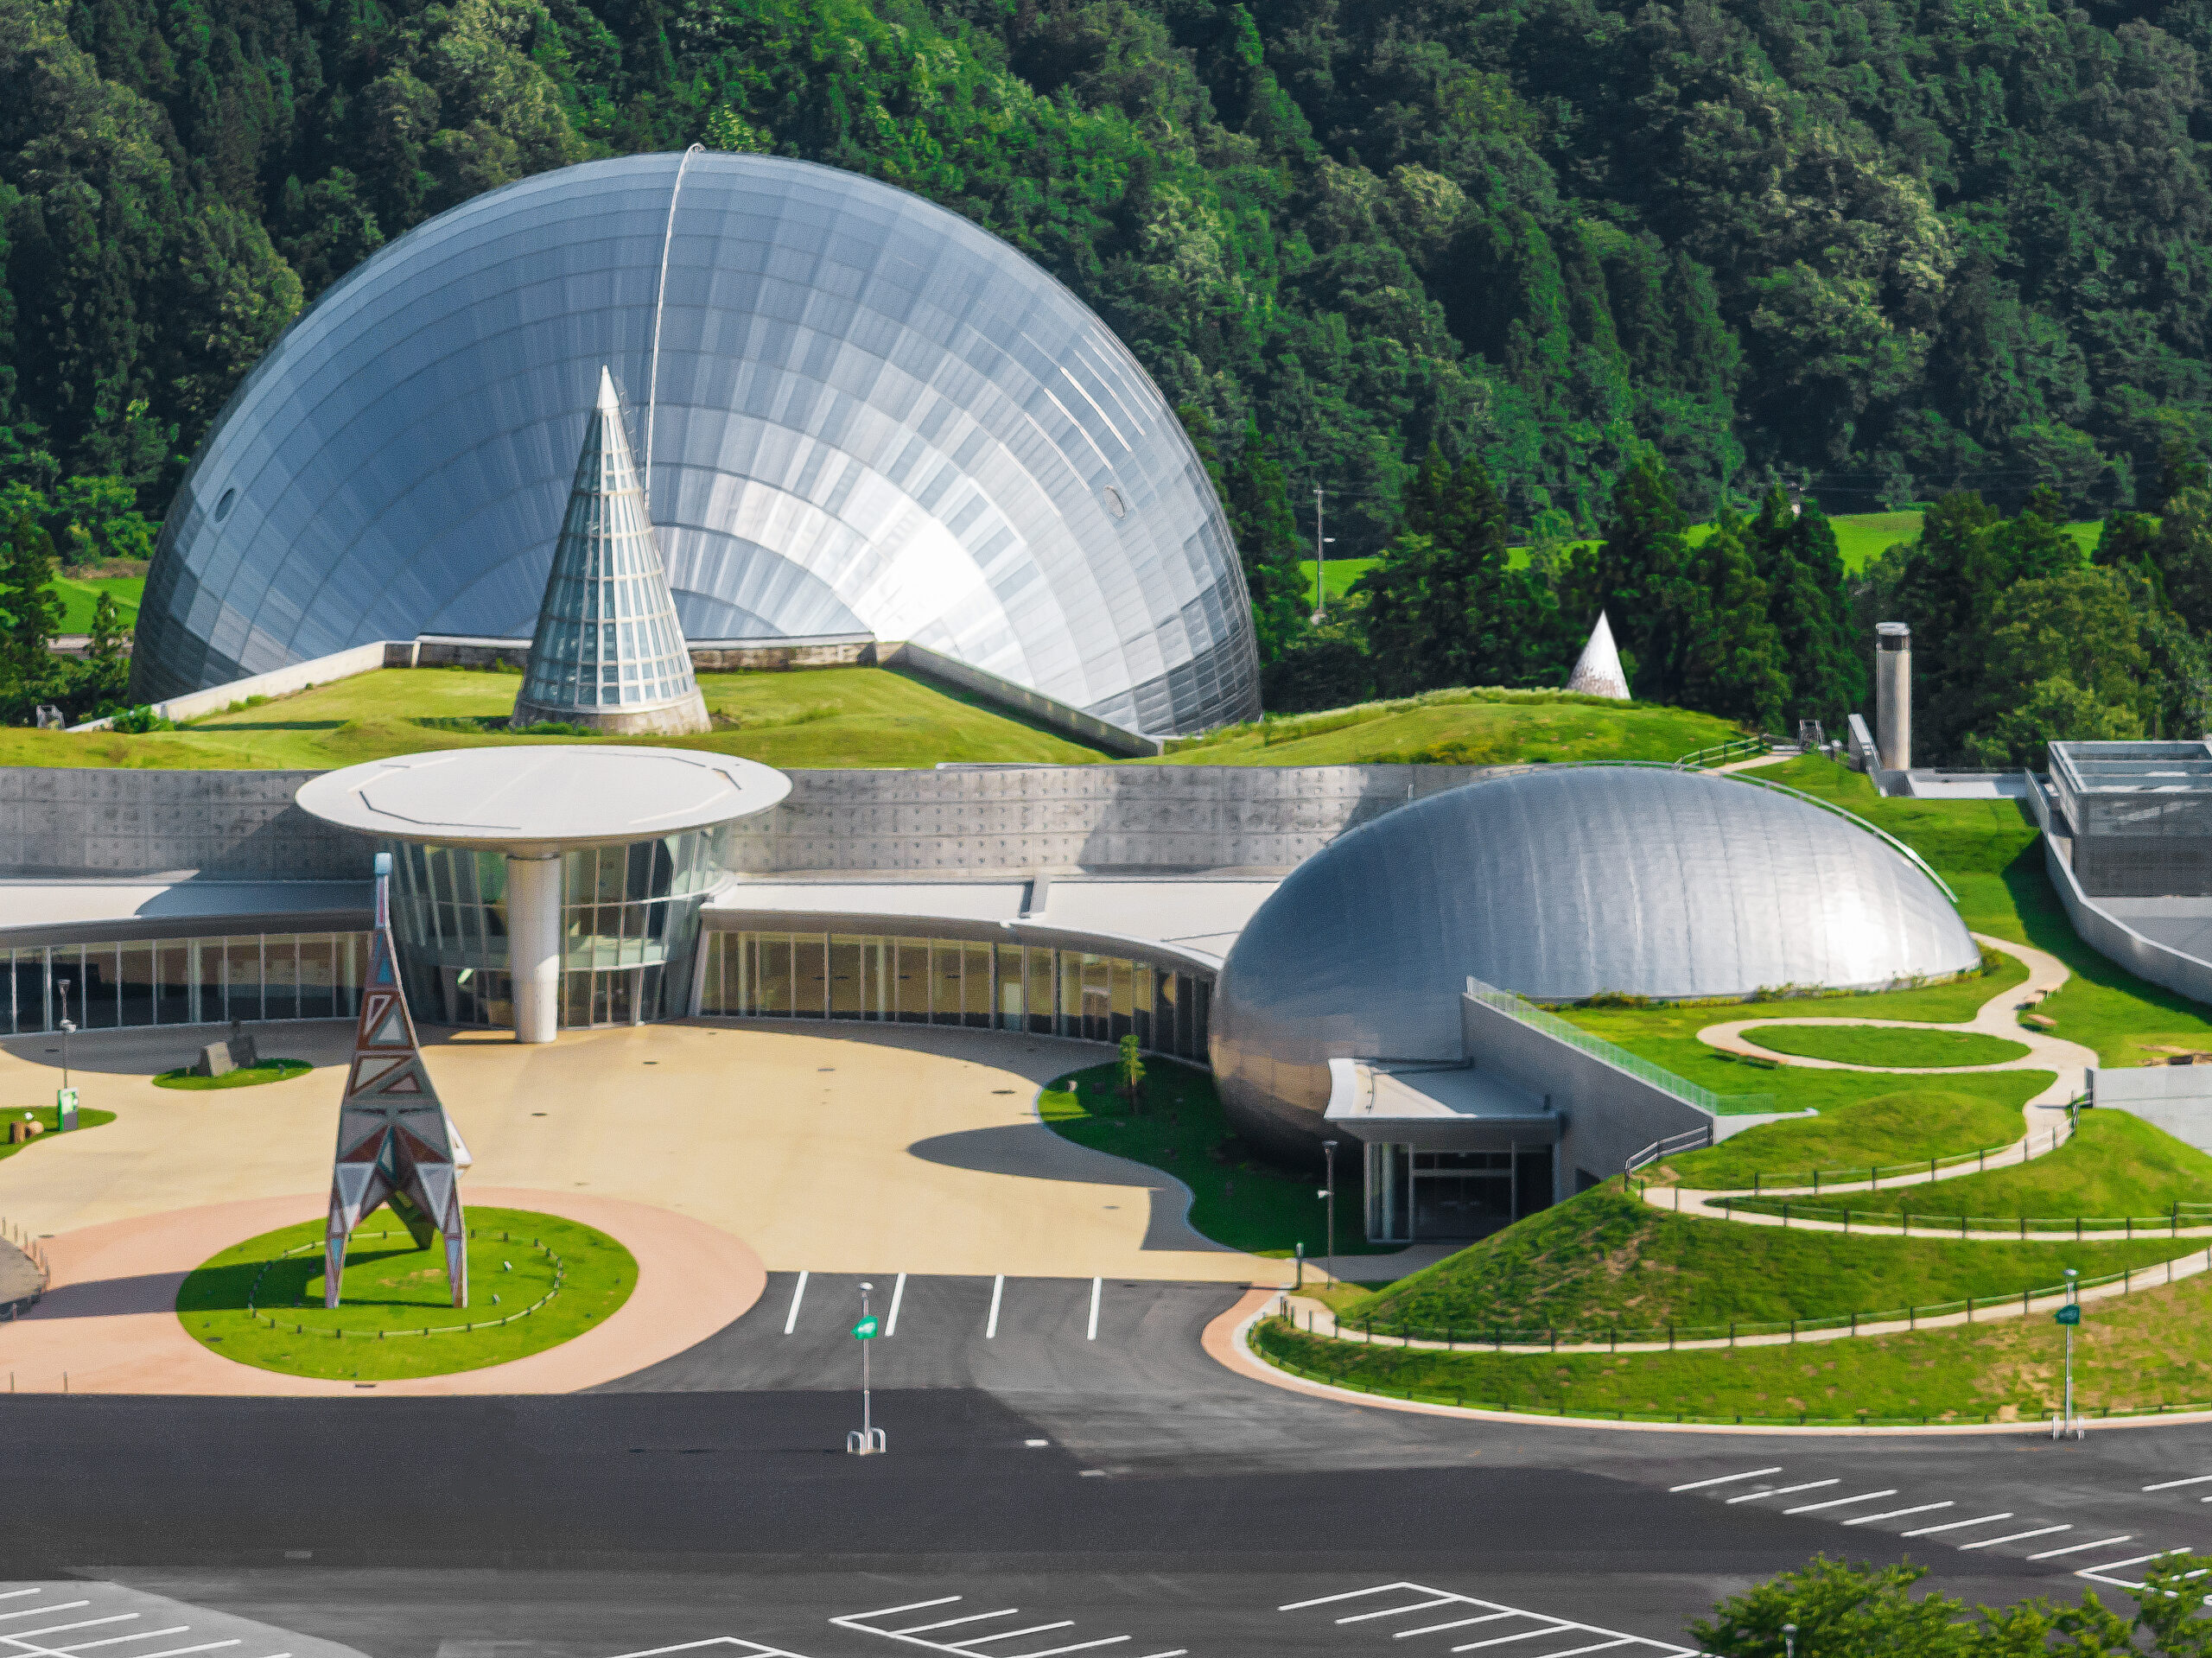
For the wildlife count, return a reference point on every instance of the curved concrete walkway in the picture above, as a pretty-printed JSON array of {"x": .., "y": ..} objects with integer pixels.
[{"x": 2045, "y": 1127}]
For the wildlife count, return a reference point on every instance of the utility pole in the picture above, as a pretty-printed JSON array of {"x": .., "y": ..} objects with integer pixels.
[
  {"x": 1329, "y": 1147},
  {"x": 1320, "y": 560},
  {"x": 2068, "y": 1316}
]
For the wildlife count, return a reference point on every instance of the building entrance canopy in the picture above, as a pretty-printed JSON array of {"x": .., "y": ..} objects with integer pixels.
[{"x": 523, "y": 863}]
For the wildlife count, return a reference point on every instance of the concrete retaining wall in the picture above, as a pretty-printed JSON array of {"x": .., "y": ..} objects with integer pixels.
[
  {"x": 1610, "y": 1115},
  {"x": 1043, "y": 819},
  {"x": 75, "y": 823},
  {"x": 1068, "y": 818},
  {"x": 2103, "y": 931}
]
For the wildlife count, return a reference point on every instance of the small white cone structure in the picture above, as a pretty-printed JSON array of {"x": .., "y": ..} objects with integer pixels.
[
  {"x": 609, "y": 652},
  {"x": 1597, "y": 670},
  {"x": 395, "y": 1143}
]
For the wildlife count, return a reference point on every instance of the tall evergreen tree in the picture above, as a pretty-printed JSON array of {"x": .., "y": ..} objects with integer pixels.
[
  {"x": 1732, "y": 662},
  {"x": 1267, "y": 543},
  {"x": 1640, "y": 577},
  {"x": 1810, "y": 600}
]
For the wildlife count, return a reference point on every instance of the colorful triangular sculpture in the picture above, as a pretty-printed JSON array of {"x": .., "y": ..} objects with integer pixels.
[
  {"x": 1597, "y": 670},
  {"x": 396, "y": 1145}
]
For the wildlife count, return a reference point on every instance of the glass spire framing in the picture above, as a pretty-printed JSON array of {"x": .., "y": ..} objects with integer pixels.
[{"x": 608, "y": 651}]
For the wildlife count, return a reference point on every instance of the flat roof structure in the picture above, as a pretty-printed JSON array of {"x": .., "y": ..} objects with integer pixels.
[
  {"x": 542, "y": 798},
  {"x": 2133, "y": 768}
]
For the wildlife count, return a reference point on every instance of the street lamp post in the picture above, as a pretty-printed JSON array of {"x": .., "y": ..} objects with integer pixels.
[
  {"x": 62, "y": 985},
  {"x": 1329, "y": 1147},
  {"x": 2074, "y": 1302},
  {"x": 1789, "y": 1640}
]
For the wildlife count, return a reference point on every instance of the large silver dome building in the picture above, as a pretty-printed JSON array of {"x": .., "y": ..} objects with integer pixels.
[
  {"x": 869, "y": 416},
  {"x": 1558, "y": 883}
]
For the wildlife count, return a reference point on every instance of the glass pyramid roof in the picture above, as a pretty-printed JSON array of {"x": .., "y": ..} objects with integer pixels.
[{"x": 607, "y": 640}]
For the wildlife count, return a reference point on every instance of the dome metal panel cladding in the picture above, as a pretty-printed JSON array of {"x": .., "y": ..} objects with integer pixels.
[
  {"x": 871, "y": 417},
  {"x": 1558, "y": 883}
]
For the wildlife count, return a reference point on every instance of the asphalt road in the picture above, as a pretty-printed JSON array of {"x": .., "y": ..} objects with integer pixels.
[{"x": 1098, "y": 1478}]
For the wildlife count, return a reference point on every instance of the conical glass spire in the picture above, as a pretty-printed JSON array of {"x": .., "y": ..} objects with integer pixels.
[
  {"x": 608, "y": 652},
  {"x": 1598, "y": 671}
]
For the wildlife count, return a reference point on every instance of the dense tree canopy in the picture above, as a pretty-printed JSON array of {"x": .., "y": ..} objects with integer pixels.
[{"x": 1899, "y": 246}]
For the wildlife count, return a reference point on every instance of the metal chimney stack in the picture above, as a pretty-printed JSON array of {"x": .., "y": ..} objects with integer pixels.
[{"x": 1893, "y": 696}]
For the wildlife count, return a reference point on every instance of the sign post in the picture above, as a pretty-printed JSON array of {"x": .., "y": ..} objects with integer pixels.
[
  {"x": 65, "y": 1108},
  {"x": 868, "y": 1439},
  {"x": 2067, "y": 1317}
]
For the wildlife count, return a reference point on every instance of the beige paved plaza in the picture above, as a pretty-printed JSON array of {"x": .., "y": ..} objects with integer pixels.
[{"x": 825, "y": 1147}]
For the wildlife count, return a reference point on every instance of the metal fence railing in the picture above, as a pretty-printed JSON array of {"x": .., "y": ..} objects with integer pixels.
[
  {"x": 1919, "y": 1171},
  {"x": 1613, "y": 1054},
  {"x": 1612, "y": 1337},
  {"x": 1906, "y": 1222},
  {"x": 1291, "y": 1357},
  {"x": 1735, "y": 748},
  {"x": 1692, "y": 1139}
]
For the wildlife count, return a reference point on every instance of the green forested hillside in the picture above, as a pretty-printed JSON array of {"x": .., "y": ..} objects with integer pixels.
[
  {"x": 1891, "y": 244},
  {"x": 1489, "y": 274}
]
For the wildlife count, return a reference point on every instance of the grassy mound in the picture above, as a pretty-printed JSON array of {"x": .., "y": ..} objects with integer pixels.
[
  {"x": 49, "y": 1116},
  {"x": 1238, "y": 1199},
  {"x": 1605, "y": 1258},
  {"x": 260, "y": 1302},
  {"x": 2117, "y": 1164},
  {"x": 2153, "y": 1348},
  {"x": 1884, "y": 1045},
  {"x": 1904, "y": 1125},
  {"x": 1480, "y": 726},
  {"x": 269, "y": 1070}
]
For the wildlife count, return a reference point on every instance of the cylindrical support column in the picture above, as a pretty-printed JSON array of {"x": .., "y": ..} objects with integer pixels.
[
  {"x": 1893, "y": 696},
  {"x": 534, "y": 944}
]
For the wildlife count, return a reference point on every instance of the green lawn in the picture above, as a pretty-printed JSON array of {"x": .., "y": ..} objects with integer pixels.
[
  {"x": 269, "y": 1071},
  {"x": 807, "y": 718},
  {"x": 2117, "y": 1165},
  {"x": 80, "y": 594},
  {"x": 1238, "y": 1198},
  {"x": 392, "y": 1286},
  {"x": 50, "y": 1115},
  {"x": 2150, "y": 1349},
  {"x": 1668, "y": 1036},
  {"x": 1880, "y": 1045},
  {"x": 1989, "y": 852},
  {"x": 1472, "y": 727},
  {"x": 1909, "y": 1125},
  {"x": 1605, "y": 1258},
  {"x": 1343, "y": 572}
]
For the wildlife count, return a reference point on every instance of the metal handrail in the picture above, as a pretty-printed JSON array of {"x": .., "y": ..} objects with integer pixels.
[
  {"x": 1691, "y": 1140},
  {"x": 1612, "y": 1053},
  {"x": 1718, "y": 752}
]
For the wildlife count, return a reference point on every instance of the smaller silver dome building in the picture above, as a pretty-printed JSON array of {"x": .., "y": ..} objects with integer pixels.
[{"x": 1557, "y": 884}]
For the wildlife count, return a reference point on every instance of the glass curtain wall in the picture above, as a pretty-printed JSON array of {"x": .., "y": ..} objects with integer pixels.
[
  {"x": 252, "y": 976},
  {"x": 954, "y": 981},
  {"x": 629, "y": 927}
]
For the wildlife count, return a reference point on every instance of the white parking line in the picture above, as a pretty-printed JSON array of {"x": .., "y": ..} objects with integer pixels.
[
  {"x": 1840, "y": 1502},
  {"x": 2014, "y": 1537},
  {"x": 63, "y": 1629},
  {"x": 798, "y": 1295},
  {"x": 2169, "y": 1485},
  {"x": 743, "y": 1648},
  {"x": 1958, "y": 1525},
  {"x": 918, "y": 1634},
  {"x": 1785, "y": 1490},
  {"x": 40, "y": 1611},
  {"x": 998, "y": 1292},
  {"x": 1724, "y": 1479},
  {"x": 1898, "y": 1513},
  {"x": 1411, "y": 1598},
  {"x": 898, "y": 1294},
  {"x": 2096, "y": 1573},
  {"x": 1097, "y": 1287},
  {"x": 119, "y": 1640},
  {"x": 2076, "y": 1548}
]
